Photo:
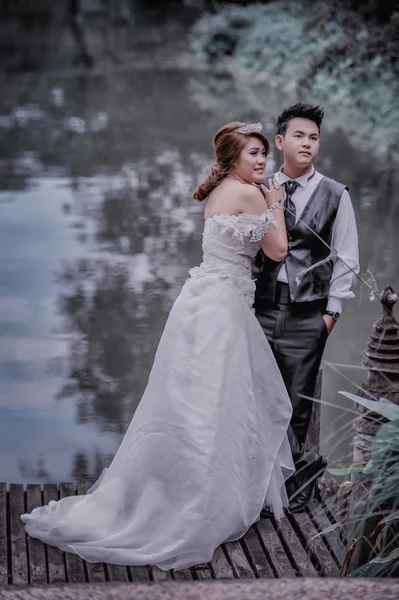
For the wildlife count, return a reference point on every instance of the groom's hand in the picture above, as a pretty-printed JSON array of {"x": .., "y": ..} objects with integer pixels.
[{"x": 329, "y": 321}]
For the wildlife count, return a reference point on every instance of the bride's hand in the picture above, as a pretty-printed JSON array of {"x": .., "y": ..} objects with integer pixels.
[{"x": 274, "y": 193}]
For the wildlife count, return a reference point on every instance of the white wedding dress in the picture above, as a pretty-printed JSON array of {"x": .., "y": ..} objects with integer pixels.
[{"x": 207, "y": 447}]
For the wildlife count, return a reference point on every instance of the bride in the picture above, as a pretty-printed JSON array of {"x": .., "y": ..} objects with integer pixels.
[{"x": 207, "y": 448}]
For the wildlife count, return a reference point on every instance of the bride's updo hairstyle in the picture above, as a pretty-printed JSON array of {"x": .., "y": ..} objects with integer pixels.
[{"x": 228, "y": 143}]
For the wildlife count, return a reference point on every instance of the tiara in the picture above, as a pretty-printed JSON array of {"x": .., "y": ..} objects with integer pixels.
[{"x": 248, "y": 128}]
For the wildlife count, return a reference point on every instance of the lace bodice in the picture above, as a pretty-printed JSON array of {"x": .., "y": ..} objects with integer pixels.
[{"x": 230, "y": 243}]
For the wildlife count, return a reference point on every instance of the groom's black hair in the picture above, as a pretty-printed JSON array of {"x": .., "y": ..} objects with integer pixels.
[{"x": 304, "y": 111}]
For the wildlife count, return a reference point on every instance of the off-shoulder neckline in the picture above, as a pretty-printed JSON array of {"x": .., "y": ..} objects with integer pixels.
[{"x": 224, "y": 215}]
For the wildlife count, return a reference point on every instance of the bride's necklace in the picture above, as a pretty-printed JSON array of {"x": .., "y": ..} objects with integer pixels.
[{"x": 238, "y": 178}]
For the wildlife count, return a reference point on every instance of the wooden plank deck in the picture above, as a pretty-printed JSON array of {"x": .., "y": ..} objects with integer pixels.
[{"x": 296, "y": 547}]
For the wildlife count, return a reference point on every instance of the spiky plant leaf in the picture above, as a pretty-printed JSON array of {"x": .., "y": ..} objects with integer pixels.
[
  {"x": 383, "y": 407},
  {"x": 379, "y": 566}
]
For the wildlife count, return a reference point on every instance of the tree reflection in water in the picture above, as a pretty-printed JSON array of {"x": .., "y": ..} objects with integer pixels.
[
  {"x": 137, "y": 227},
  {"x": 85, "y": 467},
  {"x": 37, "y": 471},
  {"x": 146, "y": 231},
  {"x": 86, "y": 470}
]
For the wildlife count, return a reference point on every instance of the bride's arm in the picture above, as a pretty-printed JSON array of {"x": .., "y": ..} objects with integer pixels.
[{"x": 274, "y": 243}]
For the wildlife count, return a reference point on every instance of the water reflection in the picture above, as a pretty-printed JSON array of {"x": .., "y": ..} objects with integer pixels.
[
  {"x": 85, "y": 467},
  {"x": 89, "y": 468},
  {"x": 97, "y": 233},
  {"x": 37, "y": 470},
  {"x": 115, "y": 305}
]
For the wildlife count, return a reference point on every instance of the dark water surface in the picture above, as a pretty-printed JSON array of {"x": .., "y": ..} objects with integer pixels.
[{"x": 97, "y": 233}]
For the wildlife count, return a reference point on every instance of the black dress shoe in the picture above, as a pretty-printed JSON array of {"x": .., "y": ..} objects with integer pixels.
[{"x": 305, "y": 484}]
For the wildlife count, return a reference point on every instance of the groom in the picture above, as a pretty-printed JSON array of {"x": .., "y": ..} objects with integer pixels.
[{"x": 297, "y": 316}]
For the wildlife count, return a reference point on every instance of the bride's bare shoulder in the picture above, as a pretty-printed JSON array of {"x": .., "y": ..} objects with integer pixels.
[{"x": 233, "y": 198}]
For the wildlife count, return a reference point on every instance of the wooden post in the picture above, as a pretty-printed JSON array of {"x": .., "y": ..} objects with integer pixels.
[{"x": 382, "y": 381}]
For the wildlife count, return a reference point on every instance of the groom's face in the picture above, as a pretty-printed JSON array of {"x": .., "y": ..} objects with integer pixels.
[{"x": 301, "y": 142}]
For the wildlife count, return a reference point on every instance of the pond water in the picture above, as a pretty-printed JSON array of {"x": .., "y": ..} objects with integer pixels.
[{"x": 97, "y": 233}]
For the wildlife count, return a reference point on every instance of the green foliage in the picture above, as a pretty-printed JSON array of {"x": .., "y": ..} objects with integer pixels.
[
  {"x": 328, "y": 55},
  {"x": 383, "y": 407},
  {"x": 383, "y": 468},
  {"x": 378, "y": 566},
  {"x": 374, "y": 515}
]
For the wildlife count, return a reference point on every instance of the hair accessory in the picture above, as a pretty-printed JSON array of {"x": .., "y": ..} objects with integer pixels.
[{"x": 248, "y": 128}]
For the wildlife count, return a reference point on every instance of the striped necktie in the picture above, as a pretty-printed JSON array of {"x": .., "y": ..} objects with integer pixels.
[{"x": 290, "y": 214}]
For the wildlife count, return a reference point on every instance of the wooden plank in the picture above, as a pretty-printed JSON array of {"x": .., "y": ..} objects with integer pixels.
[
  {"x": 3, "y": 536},
  {"x": 55, "y": 558},
  {"x": 293, "y": 547},
  {"x": 274, "y": 550},
  {"x": 36, "y": 548},
  {"x": 95, "y": 571},
  {"x": 221, "y": 566},
  {"x": 116, "y": 573},
  {"x": 335, "y": 506},
  {"x": 157, "y": 574},
  {"x": 203, "y": 571},
  {"x": 139, "y": 573},
  {"x": 257, "y": 557},
  {"x": 183, "y": 574},
  {"x": 238, "y": 560},
  {"x": 329, "y": 500},
  {"x": 19, "y": 566},
  {"x": 332, "y": 538},
  {"x": 326, "y": 492},
  {"x": 314, "y": 546},
  {"x": 74, "y": 564}
]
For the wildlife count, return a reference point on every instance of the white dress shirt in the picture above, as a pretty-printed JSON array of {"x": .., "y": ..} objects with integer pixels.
[{"x": 344, "y": 238}]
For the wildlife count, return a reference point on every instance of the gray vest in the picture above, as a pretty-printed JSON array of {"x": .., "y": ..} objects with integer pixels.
[{"x": 304, "y": 250}]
